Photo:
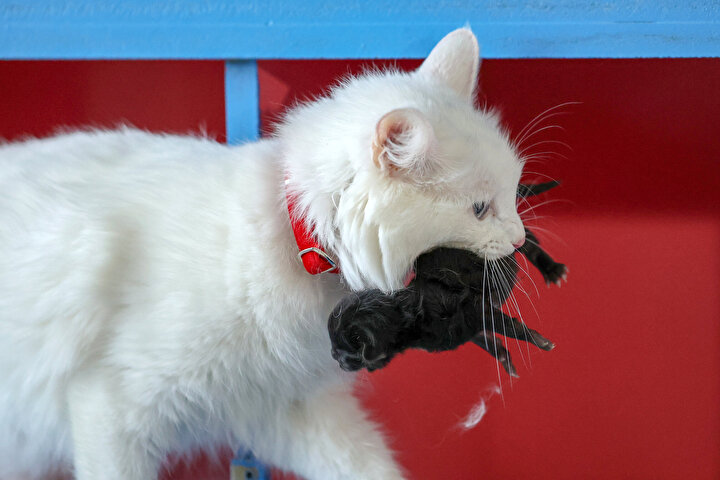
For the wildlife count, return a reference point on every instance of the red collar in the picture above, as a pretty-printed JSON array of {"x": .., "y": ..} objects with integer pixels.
[{"x": 311, "y": 254}]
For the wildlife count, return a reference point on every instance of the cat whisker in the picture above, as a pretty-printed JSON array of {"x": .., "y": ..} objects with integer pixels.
[
  {"x": 523, "y": 322},
  {"x": 549, "y": 233},
  {"x": 524, "y": 291},
  {"x": 532, "y": 241},
  {"x": 522, "y": 134},
  {"x": 541, "y": 159},
  {"x": 512, "y": 299},
  {"x": 533, "y": 217},
  {"x": 492, "y": 323},
  {"x": 532, "y": 207},
  {"x": 520, "y": 201},
  {"x": 501, "y": 266},
  {"x": 527, "y": 275},
  {"x": 547, "y": 127},
  {"x": 545, "y": 142},
  {"x": 544, "y": 152},
  {"x": 541, "y": 175},
  {"x": 522, "y": 319},
  {"x": 497, "y": 279},
  {"x": 543, "y": 203},
  {"x": 545, "y": 114}
]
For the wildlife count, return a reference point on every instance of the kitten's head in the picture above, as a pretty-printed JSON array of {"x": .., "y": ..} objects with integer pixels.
[{"x": 392, "y": 164}]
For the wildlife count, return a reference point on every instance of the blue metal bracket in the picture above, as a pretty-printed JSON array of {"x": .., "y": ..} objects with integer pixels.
[
  {"x": 242, "y": 101},
  {"x": 242, "y": 124},
  {"x": 246, "y": 467}
]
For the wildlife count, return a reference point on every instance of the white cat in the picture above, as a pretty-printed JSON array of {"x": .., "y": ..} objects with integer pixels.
[{"x": 151, "y": 298}]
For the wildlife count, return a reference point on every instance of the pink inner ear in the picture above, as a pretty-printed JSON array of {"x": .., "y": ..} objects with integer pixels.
[
  {"x": 389, "y": 130},
  {"x": 394, "y": 131},
  {"x": 404, "y": 132},
  {"x": 390, "y": 127}
]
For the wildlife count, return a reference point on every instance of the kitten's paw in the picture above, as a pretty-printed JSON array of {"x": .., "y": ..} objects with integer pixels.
[
  {"x": 358, "y": 348},
  {"x": 555, "y": 273},
  {"x": 539, "y": 341},
  {"x": 361, "y": 330},
  {"x": 353, "y": 361},
  {"x": 357, "y": 342}
]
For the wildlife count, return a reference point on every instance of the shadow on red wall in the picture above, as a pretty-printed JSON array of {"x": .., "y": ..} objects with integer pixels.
[{"x": 633, "y": 388}]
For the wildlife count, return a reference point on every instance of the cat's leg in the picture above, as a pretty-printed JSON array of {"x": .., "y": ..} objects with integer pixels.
[
  {"x": 106, "y": 443},
  {"x": 328, "y": 437},
  {"x": 551, "y": 270},
  {"x": 496, "y": 321},
  {"x": 493, "y": 345}
]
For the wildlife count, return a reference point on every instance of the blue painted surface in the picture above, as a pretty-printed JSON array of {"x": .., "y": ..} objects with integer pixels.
[
  {"x": 246, "y": 459},
  {"x": 370, "y": 29},
  {"x": 242, "y": 97}
]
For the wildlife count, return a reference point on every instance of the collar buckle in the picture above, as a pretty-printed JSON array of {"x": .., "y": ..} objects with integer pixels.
[{"x": 321, "y": 254}]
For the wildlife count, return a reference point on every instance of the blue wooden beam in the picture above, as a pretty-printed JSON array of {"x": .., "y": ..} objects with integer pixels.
[
  {"x": 252, "y": 29},
  {"x": 242, "y": 97}
]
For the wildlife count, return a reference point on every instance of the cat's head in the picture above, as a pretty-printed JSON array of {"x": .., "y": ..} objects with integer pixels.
[{"x": 392, "y": 164}]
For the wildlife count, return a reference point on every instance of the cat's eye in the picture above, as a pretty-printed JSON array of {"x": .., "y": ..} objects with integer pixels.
[{"x": 481, "y": 209}]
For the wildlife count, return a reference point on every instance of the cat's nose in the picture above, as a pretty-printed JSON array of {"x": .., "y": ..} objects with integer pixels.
[{"x": 520, "y": 243}]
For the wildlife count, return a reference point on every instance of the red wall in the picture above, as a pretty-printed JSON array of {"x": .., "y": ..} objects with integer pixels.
[{"x": 633, "y": 388}]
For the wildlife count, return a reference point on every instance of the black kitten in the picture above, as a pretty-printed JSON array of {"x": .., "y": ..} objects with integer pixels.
[{"x": 455, "y": 297}]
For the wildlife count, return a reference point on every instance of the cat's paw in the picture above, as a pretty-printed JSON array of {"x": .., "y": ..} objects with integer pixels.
[{"x": 555, "y": 273}]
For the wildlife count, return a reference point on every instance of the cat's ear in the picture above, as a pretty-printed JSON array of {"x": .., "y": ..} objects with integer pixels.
[
  {"x": 455, "y": 61},
  {"x": 402, "y": 143}
]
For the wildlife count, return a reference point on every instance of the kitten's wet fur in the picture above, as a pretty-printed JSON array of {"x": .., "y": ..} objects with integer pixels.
[{"x": 452, "y": 300}]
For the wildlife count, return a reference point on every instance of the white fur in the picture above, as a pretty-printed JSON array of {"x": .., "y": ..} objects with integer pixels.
[{"x": 151, "y": 300}]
